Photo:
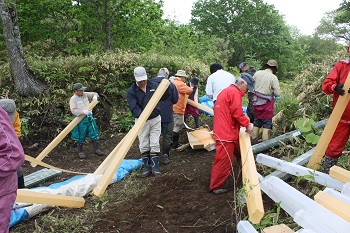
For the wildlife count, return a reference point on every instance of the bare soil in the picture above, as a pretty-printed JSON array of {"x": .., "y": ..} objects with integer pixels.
[{"x": 177, "y": 201}]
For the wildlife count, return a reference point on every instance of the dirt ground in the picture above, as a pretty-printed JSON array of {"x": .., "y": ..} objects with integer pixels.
[{"x": 177, "y": 201}]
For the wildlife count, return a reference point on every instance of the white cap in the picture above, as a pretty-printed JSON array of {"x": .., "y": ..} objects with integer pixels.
[{"x": 140, "y": 74}]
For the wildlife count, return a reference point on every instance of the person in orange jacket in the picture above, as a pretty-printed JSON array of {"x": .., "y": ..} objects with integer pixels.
[
  {"x": 180, "y": 107},
  {"x": 10, "y": 107}
]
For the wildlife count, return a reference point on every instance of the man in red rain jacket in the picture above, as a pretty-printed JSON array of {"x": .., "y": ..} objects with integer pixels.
[
  {"x": 333, "y": 84},
  {"x": 228, "y": 118}
]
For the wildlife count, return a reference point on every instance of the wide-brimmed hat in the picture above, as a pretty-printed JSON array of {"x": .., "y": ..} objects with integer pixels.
[
  {"x": 79, "y": 87},
  {"x": 250, "y": 81},
  {"x": 272, "y": 63},
  {"x": 140, "y": 74},
  {"x": 10, "y": 107},
  {"x": 181, "y": 73}
]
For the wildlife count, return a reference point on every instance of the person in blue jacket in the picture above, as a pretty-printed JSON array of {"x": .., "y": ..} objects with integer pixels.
[
  {"x": 166, "y": 113},
  {"x": 138, "y": 95}
]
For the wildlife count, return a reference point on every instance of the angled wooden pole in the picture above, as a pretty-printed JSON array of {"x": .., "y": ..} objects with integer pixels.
[
  {"x": 101, "y": 169},
  {"x": 201, "y": 106},
  {"x": 250, "y": 179},
  {"x": 129, "y": 139},
  {"x": 331, "y": 125},
  {"x": 29, "y": 196},
  {"x": 63, "y": 134}
]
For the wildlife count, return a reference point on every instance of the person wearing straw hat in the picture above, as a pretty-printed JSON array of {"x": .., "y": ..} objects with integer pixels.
[
  {"x": 180, "y": 107},
  {"x": 10, "y": 107},
  {"x": 87, "y": 127},
  {"x": 11, "y": 158}
]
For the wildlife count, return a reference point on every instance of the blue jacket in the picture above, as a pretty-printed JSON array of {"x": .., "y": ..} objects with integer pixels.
[
  {"x": 138, "y": 99},
  {"x": 166, "y": 106}
]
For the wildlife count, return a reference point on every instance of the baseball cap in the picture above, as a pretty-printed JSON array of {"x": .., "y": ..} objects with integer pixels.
[
  {"x": 10, "y": 107},
  {"x": 140, "y": 74},
  {"x": 250, "y": 81},
  {"x": 79, "y": 87}
]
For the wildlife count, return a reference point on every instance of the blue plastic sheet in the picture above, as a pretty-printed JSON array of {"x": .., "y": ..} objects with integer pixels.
[
  {"x": 206, "y": 101},
  {"x": 125, "y": 168}
]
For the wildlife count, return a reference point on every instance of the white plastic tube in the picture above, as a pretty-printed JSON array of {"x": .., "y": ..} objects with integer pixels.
[
  {"x": 297, "y": 170},
  {"x": 306, "y": 220},
  {"x": 245, "y": 227},
  {"x": 292, "y": 201}
]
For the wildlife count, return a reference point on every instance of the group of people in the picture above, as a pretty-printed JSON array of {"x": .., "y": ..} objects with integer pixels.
[{"x": 227, "y": 92}]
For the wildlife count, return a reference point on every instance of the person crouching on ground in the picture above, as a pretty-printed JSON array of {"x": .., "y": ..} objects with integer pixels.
[
  {"x": 10, "y": 107},
  {"x": 228, "y": 118},
  {"x": 87, "y": 127}
]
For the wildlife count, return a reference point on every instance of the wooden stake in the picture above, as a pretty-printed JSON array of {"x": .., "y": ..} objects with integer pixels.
[
  {"x": 129, "y": 139},
  {"x": 201, "y": 106},
  {"x": 29, "y": 196},
  {"x": 63, "y": 134},
  {"x": 331, "y": 125},
  {"x": 339, "y": 207},
  {"x": 282, "y": 228},
  {"x": 205, "y": 137},
  {"x": 250, "y": 179},
  {"x": 340, "y": 174}
]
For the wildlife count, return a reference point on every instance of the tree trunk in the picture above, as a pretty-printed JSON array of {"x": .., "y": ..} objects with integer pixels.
[{"x": 23, "y": 77}]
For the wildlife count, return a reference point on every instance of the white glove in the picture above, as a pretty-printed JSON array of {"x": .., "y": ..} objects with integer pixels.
[
  {"x": 87, "y": 112},
  {"x": 95, "y": 97}
]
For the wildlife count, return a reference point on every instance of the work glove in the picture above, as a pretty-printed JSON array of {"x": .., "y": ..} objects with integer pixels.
[
  {"x": 95, "y": 97},
  {"x": 87, "y": 112},
  {"x": 339, "y": 89}
]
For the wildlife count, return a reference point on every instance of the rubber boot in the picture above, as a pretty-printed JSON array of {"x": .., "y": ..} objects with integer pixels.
[
  {"x": 146, "y": 167},
  {"x": 166, "y": 155},
  {"x": 266, "y": 134},
  {"x": 327, "y": 163},
  {"x": 155, "y": 165},
  {"x": 256, "y": 131},
  {"x": 176, "y": 143},
  {"x": 80, "y": 151},
  {"x": 196, "y": 121},
  {"x": 20, "y": 178},
  {"x": 96, "y": 147}
]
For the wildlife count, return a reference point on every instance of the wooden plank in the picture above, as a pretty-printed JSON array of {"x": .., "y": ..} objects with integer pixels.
[
  {"x": 129, "y": 139},
  {"x": 40, "y": 176},
  {"x": 340, "y": 174},
  {"x": 205, "y": 136},
  {"x": 201, "y": 106},
  {"x": 194, "y": 142},
  {"x": 282, "y": 228},
  {"x": 339, "y": 207},
  {"x": 29, "y": 196},
  {"x": 328, "y": 131},
  {"x": 250, "y": 179},
  {"x": 63, "y": 134}
]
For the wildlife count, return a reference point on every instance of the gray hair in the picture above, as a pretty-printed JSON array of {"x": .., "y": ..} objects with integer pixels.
[{"x": 239, "y": 79}]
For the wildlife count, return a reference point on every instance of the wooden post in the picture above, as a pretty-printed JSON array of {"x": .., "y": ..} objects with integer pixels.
[
  {"x": 201, "y": 106},
  {"x": 340, "y": 174},
  {"x": 29, "y": 196},
  {"x": 63, "y": 134},
  {"x": 331, "y": 125},
  {"x": 340, "y": 208},
  {"x": 129, "y": 139},
  {"x": 250, "y": 179}
]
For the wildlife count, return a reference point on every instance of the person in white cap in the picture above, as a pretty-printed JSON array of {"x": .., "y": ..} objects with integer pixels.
[
  {"x": 138, "y": 95},
  {"x": 10, "y": 107},
  {"x": 87, "y": 127}
]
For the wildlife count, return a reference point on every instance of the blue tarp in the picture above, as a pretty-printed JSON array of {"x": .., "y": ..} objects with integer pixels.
[{"x": 125, "y": 168}]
